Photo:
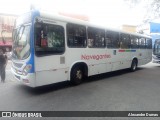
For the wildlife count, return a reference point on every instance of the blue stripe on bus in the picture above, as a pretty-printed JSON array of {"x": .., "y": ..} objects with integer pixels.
[
  {"x": 133, "y": 50},
  {"x": 35, "y": 13}
]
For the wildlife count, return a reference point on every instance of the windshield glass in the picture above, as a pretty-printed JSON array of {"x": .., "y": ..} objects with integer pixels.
[
  {"x": 156, "y": 49},
  {"x": 21, "y": 46}
]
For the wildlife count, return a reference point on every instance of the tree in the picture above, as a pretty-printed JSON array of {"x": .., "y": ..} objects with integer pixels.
[
  {"x": 152, "y": 8},
  {"x": 132, "y": 3}
]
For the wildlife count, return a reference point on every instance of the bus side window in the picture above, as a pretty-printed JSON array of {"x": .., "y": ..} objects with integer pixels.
[
  {"x": 112, "y": 39},
  {"x": 142, "y": 43},
  {"x": 43, "y": 39},
  {"x": 96, "y": 37},
  {"x": 134, "y": 41},
  {"x": 40, "y": 35},
  {"x": 124, "y": 41},
  {"x": 38, "y": 39},
  {"x": 49, "y": 39},
  {"x": 90, "y": 42},
  {"x": 37, "y": 34},
  {"x": 76, "y": 35},
  {"x": 149, "y": 43}
]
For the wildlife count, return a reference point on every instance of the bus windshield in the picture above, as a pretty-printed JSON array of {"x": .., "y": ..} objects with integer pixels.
[
  {"x": 156, "y": 50},
  {"x": 21, "y": 46}
]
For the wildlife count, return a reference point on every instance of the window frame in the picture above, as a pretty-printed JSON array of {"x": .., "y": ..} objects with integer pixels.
[
  {"x": 142, "y": 46},
  {"x": 74, "y": 35},
  {"x": 149, "y": 46},
  {"x": 96, "y": 31},
  {"x": 122, "y": 37},
  {"x": 137, "y": 38},
  {"x": 113, "y": 46},
  {"x": 45, "y": 49}
]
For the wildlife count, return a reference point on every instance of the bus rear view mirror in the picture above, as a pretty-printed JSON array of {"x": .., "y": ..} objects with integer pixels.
[{"x": 3, "y": 33}]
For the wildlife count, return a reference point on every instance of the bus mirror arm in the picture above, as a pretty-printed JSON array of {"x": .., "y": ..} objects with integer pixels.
[
  {"x": 3, "y": 32},
  {"x": 39, "y": 20}
]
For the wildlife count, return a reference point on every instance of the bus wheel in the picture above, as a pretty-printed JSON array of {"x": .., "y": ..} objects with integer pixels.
[
  {"x": 134, "y": 65},
  {"x": 77, "y": 75}
]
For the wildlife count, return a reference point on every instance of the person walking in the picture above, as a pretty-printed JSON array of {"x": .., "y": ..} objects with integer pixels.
[{"x": 3, "y": 63}]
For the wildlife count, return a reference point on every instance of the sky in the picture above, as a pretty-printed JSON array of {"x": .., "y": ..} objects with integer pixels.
[{"x": 112, "y": 13}]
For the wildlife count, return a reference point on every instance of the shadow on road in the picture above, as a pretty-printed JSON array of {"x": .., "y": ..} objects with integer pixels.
[
  {"x": 63, "y": 85},
  {"x": 44, "y": 89},
  {"x": 110, "y": 74},
  {"x": 157, "y": 66}
]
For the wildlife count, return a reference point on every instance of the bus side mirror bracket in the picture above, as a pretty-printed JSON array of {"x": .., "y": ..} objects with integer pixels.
[
  {"x": 3, "y": 32},
  {"x": 39, "y": 20}
]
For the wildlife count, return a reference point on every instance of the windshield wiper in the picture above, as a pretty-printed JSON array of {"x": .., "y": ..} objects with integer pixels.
[
  {"x": 17, "y": 32},
  {"x": 22, "y": 27},
  {"x": 3, "y": 32}
]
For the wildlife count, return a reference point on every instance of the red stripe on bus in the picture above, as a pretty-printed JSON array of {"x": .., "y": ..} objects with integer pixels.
[{"x": 121, "y": 50}]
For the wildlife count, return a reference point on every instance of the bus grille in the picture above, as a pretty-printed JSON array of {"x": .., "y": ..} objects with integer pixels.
[
  {"x": 17, "y": 77},
  {"x": 18, "y": 65},
  {"x": 158, "y": 56}
]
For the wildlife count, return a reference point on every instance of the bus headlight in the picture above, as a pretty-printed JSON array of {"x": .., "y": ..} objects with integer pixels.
[{"x": 26, "y": 69}]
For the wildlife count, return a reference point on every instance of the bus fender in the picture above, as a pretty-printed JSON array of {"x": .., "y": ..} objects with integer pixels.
[{"x": 81, "y": 63}]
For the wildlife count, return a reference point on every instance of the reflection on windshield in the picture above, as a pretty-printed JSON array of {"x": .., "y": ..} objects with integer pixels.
[
  {"x": 3, "y": 34},
  {"x": 156, "y": 50},
  {"x": 21, "y": 46}
]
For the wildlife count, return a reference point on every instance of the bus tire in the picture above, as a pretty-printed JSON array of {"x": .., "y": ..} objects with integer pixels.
[
  {"x": 77, "y": 75},
  {"x": 133, "y": 65}
]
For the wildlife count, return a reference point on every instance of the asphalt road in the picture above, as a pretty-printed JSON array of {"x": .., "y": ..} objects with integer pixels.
[{"x": 117, "y": 91}]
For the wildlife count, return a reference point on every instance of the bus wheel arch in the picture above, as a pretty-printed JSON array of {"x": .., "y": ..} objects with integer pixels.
[
  {"x": 78, "y": 72},
  {"x": 134, "y": 64}
]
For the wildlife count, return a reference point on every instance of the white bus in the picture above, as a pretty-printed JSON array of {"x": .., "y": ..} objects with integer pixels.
[{"x": 51, "y": 48}]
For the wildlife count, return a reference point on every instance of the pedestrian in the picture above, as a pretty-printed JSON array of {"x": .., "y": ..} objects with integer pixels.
[{"x": 3, "y": 63}]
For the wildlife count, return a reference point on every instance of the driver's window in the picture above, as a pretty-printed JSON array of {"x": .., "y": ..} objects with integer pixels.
[{"x": 49, "y": 39}]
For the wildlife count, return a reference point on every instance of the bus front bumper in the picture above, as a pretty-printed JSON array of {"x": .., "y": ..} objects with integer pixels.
[
  {"x": 156, "y": 61},
  {"x": 28, "y": 80}
]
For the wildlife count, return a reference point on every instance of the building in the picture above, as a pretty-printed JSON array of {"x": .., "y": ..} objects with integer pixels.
[{"x": 6, "y": 28}]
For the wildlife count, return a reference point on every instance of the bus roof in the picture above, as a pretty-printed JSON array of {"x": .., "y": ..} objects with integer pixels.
[{"x": 59, "y": 17}]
